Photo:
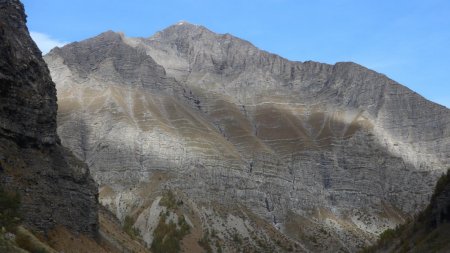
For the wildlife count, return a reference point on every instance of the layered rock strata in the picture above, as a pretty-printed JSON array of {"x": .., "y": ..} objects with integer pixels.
[
  {"x": 329, "y": 153},
  {"x": 55, "y": 187}
]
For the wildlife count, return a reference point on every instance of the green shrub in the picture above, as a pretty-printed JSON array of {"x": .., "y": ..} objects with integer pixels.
[
  {"x": 183, "y": 226},
  {"x": 168, "y": 200},
  {"x": 167, "y": 236},
  {"x": 237, "y": 239},
  {"x": 9, "y": 209},
  {"x": 129, "y": 229},
  {"x": 218, "y": 247},
  {"x": 387, "y": 235}
]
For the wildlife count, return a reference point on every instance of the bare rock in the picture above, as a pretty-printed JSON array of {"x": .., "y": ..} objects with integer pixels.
[
  {"x": 304, "y": 147},
  {"x": 55, "y": 187}
]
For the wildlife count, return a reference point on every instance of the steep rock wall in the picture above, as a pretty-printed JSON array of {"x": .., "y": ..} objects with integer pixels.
[{"x": 56, "y": 188}]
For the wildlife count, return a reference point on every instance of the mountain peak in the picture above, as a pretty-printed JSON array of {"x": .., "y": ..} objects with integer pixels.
[
  {"x": 109, "y": 36},
  {"x": 238, "y": 116},
  {"x": 183, "y": 29},
  {"x": 182, "y": 24},
  {"x": 185, "y": 23}
]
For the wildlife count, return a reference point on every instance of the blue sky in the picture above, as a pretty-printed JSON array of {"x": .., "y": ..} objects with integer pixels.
[{"x": 408, "y": 40}]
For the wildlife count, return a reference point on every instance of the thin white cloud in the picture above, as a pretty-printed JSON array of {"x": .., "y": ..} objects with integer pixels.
[{"x": 45, "y": 42}]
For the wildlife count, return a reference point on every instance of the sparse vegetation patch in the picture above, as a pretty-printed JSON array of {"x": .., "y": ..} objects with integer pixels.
[
  {"x": 129, "y": 229},
  {"x": 167, "y": 235}
]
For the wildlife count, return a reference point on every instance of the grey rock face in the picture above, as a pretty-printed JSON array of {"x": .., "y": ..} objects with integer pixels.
[
  {"x": 56, "y": 188},
  {"x": 306, "y": 147},
  {"x": 114, "y": 61},
  {"x": 428, "y": 231},
  {"x": 29, "y": 107}
]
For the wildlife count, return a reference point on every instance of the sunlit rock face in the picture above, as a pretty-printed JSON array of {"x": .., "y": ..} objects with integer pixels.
[{"x": 337, "y": 153}]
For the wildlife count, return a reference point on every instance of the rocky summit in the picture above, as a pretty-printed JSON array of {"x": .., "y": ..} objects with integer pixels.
[{"x": 254, "y": 152}]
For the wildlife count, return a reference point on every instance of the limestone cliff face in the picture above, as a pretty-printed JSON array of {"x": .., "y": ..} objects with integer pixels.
[
  {"x": 56, "y": 188},
  {"x": 204, "y": 58},
  {"x": 323, "y": 153},
  {"x": 427, "y": 232}
]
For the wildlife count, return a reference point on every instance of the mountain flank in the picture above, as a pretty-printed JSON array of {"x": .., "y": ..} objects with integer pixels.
[
  {"x": 255, "y": 152},
  {"x": 48, "y": 199}
]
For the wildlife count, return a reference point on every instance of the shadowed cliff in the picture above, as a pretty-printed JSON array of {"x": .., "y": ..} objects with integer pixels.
[{"x": 55, "y": 187}]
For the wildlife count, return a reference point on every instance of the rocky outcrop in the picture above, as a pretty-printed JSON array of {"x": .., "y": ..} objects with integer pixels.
[
  {"x": 326, "y": 155},
  {"x": 427, "y": 232},
  {"x": 55, "y": 187},
  {"x": 28, "y": 95}
]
